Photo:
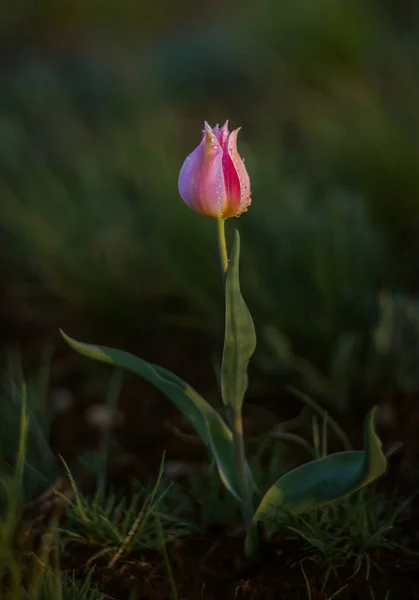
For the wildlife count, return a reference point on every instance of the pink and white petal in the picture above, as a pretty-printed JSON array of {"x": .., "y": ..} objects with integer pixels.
[
  {"x": 216, "y": 131},
  {"x": 231, "y": 180},
  {"x": 242, "y": 175},
  {"x": 201, "y": 180},
  {"x": 223, "y": 135}
]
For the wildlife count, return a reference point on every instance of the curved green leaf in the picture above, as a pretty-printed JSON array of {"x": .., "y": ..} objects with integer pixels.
[
  {"x": 318, "y": 483},
  {"x": 209, "y": 425},
  {"x": 239, "y": 337}
]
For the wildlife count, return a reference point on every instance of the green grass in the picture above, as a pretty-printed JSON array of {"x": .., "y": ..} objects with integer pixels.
[
  {"x": 348, "y": 535},
  {"x": 110, "y": 523},
  {"x": 53, "y": 588},
  {"x": 351, "y": 533},
  {"x": 117, "y": 524},
  {"x": 27, "y": 573}
]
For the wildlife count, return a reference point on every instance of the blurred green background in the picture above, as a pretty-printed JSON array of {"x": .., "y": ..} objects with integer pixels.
[{"x": 101, "y": 102}]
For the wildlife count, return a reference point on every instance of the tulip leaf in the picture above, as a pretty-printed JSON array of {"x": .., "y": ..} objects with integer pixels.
[
  {"x": 209, "y": 425},
  {"x": 239, "y": 337},
  {"x": 318, "y": 483}
]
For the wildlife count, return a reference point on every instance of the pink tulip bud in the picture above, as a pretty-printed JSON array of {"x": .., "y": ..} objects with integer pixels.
[{"x": 213, "y": 180}]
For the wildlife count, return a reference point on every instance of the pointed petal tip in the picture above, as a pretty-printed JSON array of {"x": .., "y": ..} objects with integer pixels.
[
  {"x": 235, "y": 133},
  {"x": 207, "y": 128}
]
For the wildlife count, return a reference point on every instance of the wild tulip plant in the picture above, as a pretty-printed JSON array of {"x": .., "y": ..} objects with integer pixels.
[{"x": 214, "y": 182}]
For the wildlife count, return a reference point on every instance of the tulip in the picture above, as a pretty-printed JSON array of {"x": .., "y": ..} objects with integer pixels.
[{"x": 213, "y": 180}]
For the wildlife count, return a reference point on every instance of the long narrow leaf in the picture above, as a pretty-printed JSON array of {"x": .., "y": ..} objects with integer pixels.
[
  {"x": 319, "y": 483},
  {"x": 209, "y": 425},
  {"x": 239, "y": 337}
]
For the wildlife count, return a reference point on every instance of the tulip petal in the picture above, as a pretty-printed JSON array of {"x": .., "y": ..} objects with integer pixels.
[
  {"x": 216, "y": 131},
  {"x": 231, "y": 178},
  {"x": 201, "y": 180},
  {"x": 241, "y": 173},
  {"x": 223, "y": 134}
]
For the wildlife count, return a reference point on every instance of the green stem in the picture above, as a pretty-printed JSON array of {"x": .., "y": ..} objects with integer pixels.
[
  {"x": 222, "y": 246},
  {"x": 240, "y": 456}
]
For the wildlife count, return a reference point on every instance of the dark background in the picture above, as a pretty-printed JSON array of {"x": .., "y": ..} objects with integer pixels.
[{"x": 101, "y": 102}]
